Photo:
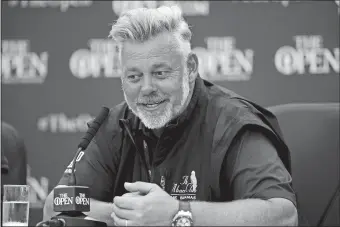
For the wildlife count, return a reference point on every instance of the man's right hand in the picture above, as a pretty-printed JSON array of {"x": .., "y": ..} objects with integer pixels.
[{"x": 133, "y": 194}]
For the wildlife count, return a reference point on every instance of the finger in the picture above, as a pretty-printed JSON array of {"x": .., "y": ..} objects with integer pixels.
[
  {"x": 121, "y": 222},
  {"x": 125, "y": 202},
  {"x": 114, "y": 217},
  {"x": 132, "y": 194},
  {"x": 123, "y": 213},
  {"x": 139, "y": 186}
]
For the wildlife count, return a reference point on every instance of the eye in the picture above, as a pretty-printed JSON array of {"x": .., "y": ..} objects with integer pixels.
[
  {"x": 161, "y": 74},
  {"x": 133, "y": 77}
]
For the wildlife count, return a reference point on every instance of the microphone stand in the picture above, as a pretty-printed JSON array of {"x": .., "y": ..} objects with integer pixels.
[{"x": 75, "y": 216}]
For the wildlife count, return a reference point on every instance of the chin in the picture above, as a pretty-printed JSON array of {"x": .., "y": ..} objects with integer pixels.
[
  {"x": 152, "y": 125},
  {"x": 153, "y": 121}
]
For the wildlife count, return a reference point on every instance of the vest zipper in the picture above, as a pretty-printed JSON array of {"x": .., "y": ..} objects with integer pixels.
[
  {"x": 124, "y": 125},
  {"x": 162, "y": 182},
  {"x": 147, "y": 161},
  {"x": 152, "y": 173}
]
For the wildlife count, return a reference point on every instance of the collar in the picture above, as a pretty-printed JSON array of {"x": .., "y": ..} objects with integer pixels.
[{"x": 186, "y": 114}]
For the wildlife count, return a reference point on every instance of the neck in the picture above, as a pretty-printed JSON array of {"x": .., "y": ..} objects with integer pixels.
[{"x": 158, "y": 132}]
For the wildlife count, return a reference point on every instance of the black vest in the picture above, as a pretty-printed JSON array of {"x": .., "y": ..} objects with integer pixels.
[{"x": 191, "y": 150}]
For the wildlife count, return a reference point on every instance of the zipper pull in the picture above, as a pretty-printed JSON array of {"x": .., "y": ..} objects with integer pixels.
[
  {"x": 150, "y": 174},
  {"x": 163, "y": 182}
]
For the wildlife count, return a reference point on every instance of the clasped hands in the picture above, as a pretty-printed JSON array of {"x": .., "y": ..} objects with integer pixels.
[{"x": 145, "y": 204}]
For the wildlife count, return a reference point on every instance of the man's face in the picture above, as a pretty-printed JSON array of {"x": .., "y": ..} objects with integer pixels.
[{"x": 155, "y": 79}]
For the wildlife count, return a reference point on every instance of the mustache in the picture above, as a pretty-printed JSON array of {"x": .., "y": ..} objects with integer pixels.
[{"x": 150, "y": 99}]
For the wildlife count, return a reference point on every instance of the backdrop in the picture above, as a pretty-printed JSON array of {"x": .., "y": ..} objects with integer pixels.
[{"x": 59, "y": 67}]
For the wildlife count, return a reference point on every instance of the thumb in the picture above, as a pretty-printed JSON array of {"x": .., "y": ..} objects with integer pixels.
[{"x": 139, "y": 186}]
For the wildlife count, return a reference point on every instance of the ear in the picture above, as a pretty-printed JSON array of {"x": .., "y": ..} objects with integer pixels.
[{"x": 192, "y": 65}]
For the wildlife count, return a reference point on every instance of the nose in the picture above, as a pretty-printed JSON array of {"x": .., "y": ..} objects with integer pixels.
[{"x": 147, "y": 85}]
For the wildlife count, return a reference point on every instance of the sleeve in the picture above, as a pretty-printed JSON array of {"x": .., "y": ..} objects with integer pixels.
[
  {"x": 95, "y": 168},
  {"x": 254, "y": 169}
]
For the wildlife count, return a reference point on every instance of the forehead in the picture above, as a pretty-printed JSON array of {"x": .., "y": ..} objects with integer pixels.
[{"x": 162, "y": 48}]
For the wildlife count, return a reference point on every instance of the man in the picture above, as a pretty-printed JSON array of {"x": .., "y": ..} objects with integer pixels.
[
  {"x": 4, "y": 169},
  {"x": 13, "y": 158},
  {"x": 13, "y": 151},
  {"x": 4, "y": 164},
  {"x": 181, "y": 150}
]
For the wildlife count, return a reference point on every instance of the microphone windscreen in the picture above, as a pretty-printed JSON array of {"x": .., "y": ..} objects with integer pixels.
[{"x": 93, "y": 127}]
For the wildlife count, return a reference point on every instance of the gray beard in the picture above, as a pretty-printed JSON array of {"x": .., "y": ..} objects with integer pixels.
[{"x": 160, "y": 119}]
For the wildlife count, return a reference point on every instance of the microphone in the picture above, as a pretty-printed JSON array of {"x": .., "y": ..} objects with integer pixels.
[
  {"x": 85, "y": 141},
  {"x": 72, "y": 199}
]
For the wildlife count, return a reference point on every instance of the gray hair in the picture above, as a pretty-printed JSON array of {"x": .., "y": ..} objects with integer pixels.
[{"x": 142, "y": 24}]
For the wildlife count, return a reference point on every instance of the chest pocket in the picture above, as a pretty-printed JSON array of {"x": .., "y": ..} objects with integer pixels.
[
  {"x": 185, "y": 176},
  {"x": 186, "y": 186}
]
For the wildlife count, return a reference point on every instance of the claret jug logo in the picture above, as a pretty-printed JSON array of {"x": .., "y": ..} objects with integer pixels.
[{"x": 186, "y": 189}]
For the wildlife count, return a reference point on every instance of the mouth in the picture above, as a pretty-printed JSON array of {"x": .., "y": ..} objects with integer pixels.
[{"x": 152, "y": 105}]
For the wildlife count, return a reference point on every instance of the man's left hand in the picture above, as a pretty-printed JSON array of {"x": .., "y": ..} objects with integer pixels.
[{"x": 147, "y": 204}]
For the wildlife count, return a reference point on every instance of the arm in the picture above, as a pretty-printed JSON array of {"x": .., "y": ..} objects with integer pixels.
[
  {"x": 255, "y": 212},
  {"x": 260, "y": 189},
  {"x": 259, "y": 184}
]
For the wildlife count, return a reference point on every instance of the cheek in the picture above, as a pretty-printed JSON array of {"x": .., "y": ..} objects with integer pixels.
[
  {"x": 175, "y": 90},
  {"x": 131, "y": 92}
]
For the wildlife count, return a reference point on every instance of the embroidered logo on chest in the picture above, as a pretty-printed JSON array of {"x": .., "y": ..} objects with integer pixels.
[{"x": 186, "y": 189}]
